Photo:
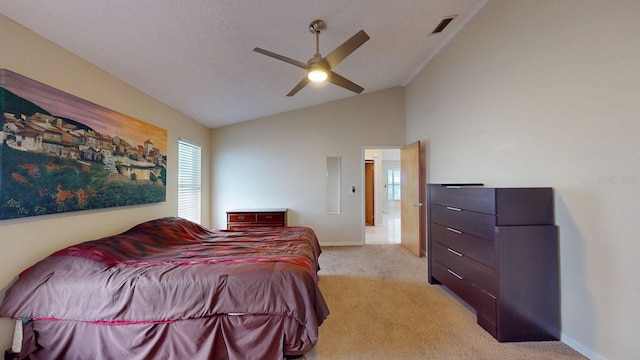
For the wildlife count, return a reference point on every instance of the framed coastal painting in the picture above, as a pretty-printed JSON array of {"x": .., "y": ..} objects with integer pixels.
[{"x": 60, "y": 153}]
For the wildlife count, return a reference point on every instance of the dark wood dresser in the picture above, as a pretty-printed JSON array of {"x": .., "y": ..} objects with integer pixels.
[
  {"x": 240, "y": 218},
  {"x": 497, "y": 248}
]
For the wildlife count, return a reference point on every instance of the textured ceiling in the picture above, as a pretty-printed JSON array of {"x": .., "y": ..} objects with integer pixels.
[{"x": 197, "y": 55}]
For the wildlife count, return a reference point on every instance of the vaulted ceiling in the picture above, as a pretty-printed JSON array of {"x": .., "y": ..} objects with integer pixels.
[{"x": 197, "y": 55}]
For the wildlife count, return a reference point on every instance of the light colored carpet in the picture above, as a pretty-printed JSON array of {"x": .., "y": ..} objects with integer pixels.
[{"x": 382, "y": 307}]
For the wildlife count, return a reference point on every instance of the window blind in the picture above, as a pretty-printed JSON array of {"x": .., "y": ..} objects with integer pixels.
[{"x": 189, "y": 181}]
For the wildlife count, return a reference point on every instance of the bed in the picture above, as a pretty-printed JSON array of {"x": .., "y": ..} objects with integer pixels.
[{"x": 171, "y": 289}]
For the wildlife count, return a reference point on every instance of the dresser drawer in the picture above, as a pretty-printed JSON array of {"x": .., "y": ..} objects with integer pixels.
[
  {"x": 478, "y": 249},
  {"x": 489, "y": 321},
  {"x": 455, "y": 282},
  {"x": 472, "y": 198},
  {"x": 474, "y": 223},
  {"x": 241, "y": 217},
  {"x": 474, "y": 272},
  {"x": 485, "y": 306},
  {"x": 524, "y": 206},
  {"x": 277, "y": 218},
  {"x": 483, "y": 303}
]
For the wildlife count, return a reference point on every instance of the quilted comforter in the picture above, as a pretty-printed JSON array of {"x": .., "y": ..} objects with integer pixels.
[{"x": 170, "y": 270}]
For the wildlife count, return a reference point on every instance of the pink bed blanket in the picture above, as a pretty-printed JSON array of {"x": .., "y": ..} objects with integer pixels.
[{"x": 170, "y": 270}]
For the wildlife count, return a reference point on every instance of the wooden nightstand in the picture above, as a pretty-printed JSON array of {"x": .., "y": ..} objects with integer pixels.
[{"x": 239, "y": 218}]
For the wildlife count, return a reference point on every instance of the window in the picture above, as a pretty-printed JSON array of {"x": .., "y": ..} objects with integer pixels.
[
  {"x": 393, "y": 184},
  {"x": 189, "y": 182}
]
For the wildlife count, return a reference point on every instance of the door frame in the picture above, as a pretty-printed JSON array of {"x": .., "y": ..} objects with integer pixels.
[{"x": 362, "y": 182}]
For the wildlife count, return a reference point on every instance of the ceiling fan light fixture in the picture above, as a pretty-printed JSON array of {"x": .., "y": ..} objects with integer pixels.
[{"x": 317, "y": 75}]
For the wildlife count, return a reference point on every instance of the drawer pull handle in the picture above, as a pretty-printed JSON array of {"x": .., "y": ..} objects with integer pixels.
[
  {"x": 269, "y": 217},
  {"x": 453, "y": 208},
  {"x": 241, "y": 217},
  {"x": 454, "y": 274},
  {"x": 454, "y": 252},
  {"x": 454, "y": 230}
]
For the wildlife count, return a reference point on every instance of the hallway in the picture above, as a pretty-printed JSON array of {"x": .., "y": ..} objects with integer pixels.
[{"x": 387, "y": 232}]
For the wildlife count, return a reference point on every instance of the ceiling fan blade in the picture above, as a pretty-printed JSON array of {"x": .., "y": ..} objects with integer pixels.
[
  {"x": 343, "y": 82},
  {"x": 298, "y": 87},
  {"x": 347, "y": 47},
  {"x": 282, "y": 58}
]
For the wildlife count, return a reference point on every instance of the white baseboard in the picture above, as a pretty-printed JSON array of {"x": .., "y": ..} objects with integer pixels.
[{"x": 579, "y": 347}]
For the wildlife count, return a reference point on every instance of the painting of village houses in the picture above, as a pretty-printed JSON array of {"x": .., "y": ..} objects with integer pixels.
[{"x": 60, "y": 153}]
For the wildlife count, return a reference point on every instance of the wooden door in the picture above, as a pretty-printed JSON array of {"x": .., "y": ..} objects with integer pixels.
[
  {"x": 410, "y": 199},
  {"x": 369, "y": 191}
]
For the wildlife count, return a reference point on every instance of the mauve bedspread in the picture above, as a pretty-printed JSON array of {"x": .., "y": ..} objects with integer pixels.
[{"x": 170, "y": 272}]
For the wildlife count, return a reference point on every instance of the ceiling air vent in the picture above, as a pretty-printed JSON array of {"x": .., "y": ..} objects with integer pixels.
[{"x": 443, "y": 24}]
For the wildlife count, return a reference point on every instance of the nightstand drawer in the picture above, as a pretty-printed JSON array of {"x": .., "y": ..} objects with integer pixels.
[{"x": 474, "y": 223}]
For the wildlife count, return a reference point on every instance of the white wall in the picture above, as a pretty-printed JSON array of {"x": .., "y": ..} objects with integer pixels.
[
  {"x": 545, "y": 93},
  {"x": 27, "y": 240},
  {"x": 280, "y": 161}
]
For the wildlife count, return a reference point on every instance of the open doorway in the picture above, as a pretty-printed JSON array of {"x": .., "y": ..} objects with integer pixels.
[{"x": 382, "y": 216}]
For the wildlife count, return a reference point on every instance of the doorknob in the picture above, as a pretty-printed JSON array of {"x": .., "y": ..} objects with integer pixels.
[{"x": 418, "y": 204}]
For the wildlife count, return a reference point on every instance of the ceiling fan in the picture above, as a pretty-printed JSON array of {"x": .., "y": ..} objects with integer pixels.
[{"x": 318, "y": 67}]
